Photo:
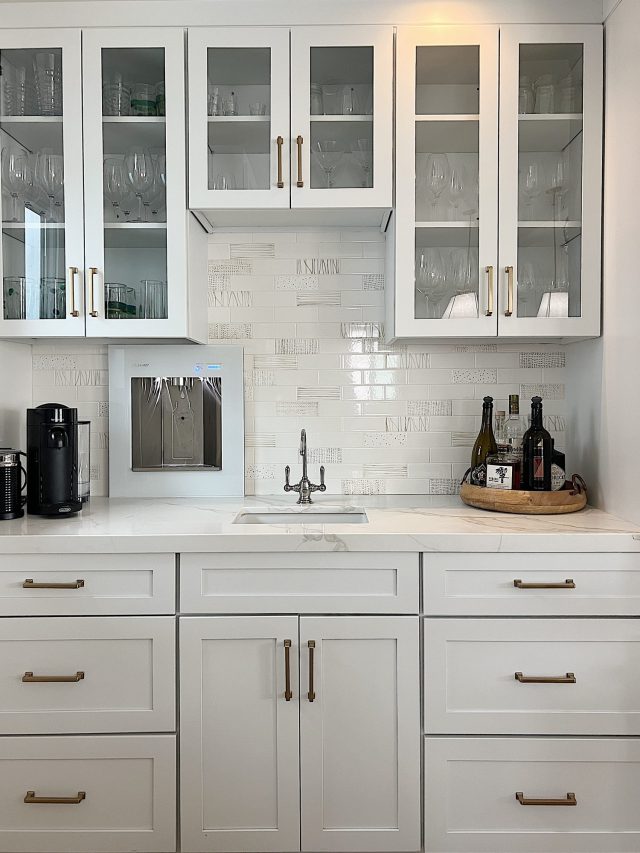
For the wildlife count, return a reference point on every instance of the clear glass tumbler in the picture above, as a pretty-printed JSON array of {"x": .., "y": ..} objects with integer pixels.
[
  {"x": 153, "y": 299},
  {"x": 53, "y": 305},
  {"x": 84, "y": 460},
  {"x": 48, "y": 74},
  {"x": 14, "y": 295}
]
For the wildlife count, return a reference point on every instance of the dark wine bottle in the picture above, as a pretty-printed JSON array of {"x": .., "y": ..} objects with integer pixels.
[
  {"x": 536, "y": 452},
  {"x": 485, "y": 445}
]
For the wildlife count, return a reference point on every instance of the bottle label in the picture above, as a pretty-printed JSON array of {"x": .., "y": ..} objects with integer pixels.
[
  {"x": 557, "y": 477},
  {"x": 479, "y": 475},
  {"x": 499, "y": 476},
  {"x": 538, "y": 463}
]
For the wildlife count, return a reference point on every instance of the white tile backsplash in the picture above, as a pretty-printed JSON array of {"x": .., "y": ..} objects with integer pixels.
[{"x": 308, "y": 307}]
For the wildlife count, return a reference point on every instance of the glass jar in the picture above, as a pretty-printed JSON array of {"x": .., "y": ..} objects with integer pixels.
[{"x": 143, "y": 99}]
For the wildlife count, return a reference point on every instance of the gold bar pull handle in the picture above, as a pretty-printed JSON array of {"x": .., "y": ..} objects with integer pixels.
[
  {"x": 509, "y": 272},
  {"x": 569, "y": 583},
  {"x": 288, "y": 695},
  {"x": 569, "y": 800},
  {"x": 30, "y": 678},
  {"x": 312, "y": 647},
  {"x": 29, "y": 583},
  {"x": 569, "y": 678},
  {"x": 489, "y": 272},
  {"x": 93, "y": 271},
  {"x": 30, "y": 797},
  {"x": 73, "y": 272},
  {"x": 299, "y": 141},
  {"x": 280, "y": 143}
]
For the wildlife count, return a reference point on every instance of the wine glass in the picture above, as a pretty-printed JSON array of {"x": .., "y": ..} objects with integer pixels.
[
  {"x": 363, "y": 155},
  {"x": 16, "y": 172},
  {"x": 160, "y": 183},
  {"x": 457, "y": 187},
  {"x": 49, "y": 174},
  {"x": 431, "y": 282},
  {"x": 527, "y": 285},
  {"x": 437, "y": 176},
  {"x": 328, "y": 153},
  {"x": 115, "y": 183},
  {"x": 531, "y": 181},
  {"x": 139, "y": 172}
]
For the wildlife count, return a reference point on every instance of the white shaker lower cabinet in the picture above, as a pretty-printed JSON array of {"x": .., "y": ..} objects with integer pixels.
[{"x": 355, "y": 716}]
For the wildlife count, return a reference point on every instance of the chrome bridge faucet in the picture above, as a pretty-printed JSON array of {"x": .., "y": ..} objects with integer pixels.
[{"x": 305, "y": 487}]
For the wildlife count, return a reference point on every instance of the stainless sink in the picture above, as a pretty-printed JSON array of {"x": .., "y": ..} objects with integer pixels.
[{"x": 302, "y": 515}]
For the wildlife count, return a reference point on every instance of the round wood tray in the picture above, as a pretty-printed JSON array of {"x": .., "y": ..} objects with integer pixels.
[{"x": 572, "y": 498}]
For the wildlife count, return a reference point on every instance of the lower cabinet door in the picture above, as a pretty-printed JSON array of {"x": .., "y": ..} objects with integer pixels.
[
  {"x": 360, "y": 733},
  {"x": 109, "y": 794},
  {"x": 240, "y": 787},
  {"x": 532, "y": 795}
]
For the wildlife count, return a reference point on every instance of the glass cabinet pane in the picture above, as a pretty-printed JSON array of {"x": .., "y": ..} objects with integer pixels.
[
  {"x": 134, "y": 182},
  {"x": 341, "y": 111},
  {"x": 239, "y": 118},
  {"x": 447, "y": 182},
  {"x": 550, "y": 140},
  {"x": 32, "y": 182}
]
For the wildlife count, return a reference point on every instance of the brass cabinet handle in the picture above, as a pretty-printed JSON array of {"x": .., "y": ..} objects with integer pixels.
[
  {"x": 73, "y": 272},
  {"x": 93, "y": 271},
  {"x": 288, "y": 695},
  {"x": 280, "y": 143},
  {"x": 29, "y": 583},
  {"x": 569, "y": 678},
  {"x": 489, "y": 272},
  {"x": 30, "y": 678},
  {"x": 569, "y": 800},
  {"x": 30, "y": 797},
  {"x": 299, "y": 141},
  {"x": 569, "y": 583},
  {"x": 312, "y": 647},
  {"x": 509, "y": 272}
]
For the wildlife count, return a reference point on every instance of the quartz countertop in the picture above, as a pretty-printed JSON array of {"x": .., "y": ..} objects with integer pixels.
[{"x": 396, "y": 523}]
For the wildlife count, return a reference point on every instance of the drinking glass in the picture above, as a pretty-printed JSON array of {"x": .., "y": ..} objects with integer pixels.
[
  {"x": 363, "y": 155},
  {"x": 115, "y": 184},
  {"x": 213, "y": 100},
  {"x": 526, "y": 97},
  {"x": 350, "y": 102},
  {"x": 161, "y": 105},
  {"x": 16, "y": 173},
  {"x": 52, "y": 298},
  {"x": 317, "y": 107},
  {"x": 328, "y": 153},
  {"x": 120, "y": 301},
  {"x": 457, "y": 187},
  {"x": 14, "y": 295},
  {"x": 143, "y": 99},
  {"x": 116, "y": 97},
  {"x": 230, "y": 105},
  {"x": 437, "y": 176},
  {"x": 48, "y": 74},
  {"x": 545, "y": 94},
  {"x": 527, "y": 287},
  {"x": 257, "y": 109},
  {"x": 15, "y": 90},
  {"x": 531, "y": 180},
  {"x": 431, "y": 283},
  {"x": 139, "y": 172},
  {"x": 160, "y": 184},
  {"x": 153, "y": 300},
  {"x": 331, "y": 98},
  {"x": 84, "y": 460},
  {"x": 224, "y": 182},
  {"x": 49, "y": 174}
]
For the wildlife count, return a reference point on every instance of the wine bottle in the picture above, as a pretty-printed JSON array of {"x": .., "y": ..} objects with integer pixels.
[
  {"x": 536, "y": 452},
  {"x": 484, "y": 446},
  {"x": 499, "y": 433}
]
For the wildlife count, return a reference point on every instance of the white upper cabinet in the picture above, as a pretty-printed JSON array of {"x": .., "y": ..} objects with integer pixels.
[
  {"x": 491, "y": 212},
  {"x": 550, "y": 180},
  {"x": 42, "y": 253},
  {"x": 287, "y": 120}
]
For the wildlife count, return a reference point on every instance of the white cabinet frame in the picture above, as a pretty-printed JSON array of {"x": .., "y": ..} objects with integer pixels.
[{"x": 591, "y": 37}]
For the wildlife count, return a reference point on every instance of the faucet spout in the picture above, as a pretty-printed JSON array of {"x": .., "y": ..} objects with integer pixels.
[{"x": 305, "y": 487}]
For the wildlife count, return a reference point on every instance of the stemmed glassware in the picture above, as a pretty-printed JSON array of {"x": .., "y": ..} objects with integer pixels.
[
  {"x": 531, "y": 181},
  {"x": 437, "y": 177},
  {"x": 16, "y": 173},
  {"x": 430, "y": 279},
  {"x": 457, "y": 187},
  {"x": 363, "y": 155},
  {"x": 328, "y": 153},
  {"x": 115, "y": 183},
  {"x": 49, "y": 174},
  {"x": 139, "y": 171}
]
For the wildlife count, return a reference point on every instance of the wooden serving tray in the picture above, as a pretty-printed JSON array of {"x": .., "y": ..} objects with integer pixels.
[{"x": 572, "y": 498}]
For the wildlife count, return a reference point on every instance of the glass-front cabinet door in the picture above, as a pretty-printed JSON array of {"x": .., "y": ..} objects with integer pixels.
[
  {"x": 41, "y": 253},
  {"x": 341, "y": 117},
  {"x": 550, "y": 180},
  {"x": 134, "y": 155},
  {"x": 238, "y": 118},
  {"x": 446, "y": 182}
]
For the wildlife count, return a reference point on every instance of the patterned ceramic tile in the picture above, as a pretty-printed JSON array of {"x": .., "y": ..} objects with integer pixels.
[
  {"x": 318, "y": 266},
  {"x": 422, "y": 408},
  {"x": 301, "y": 346},
  {"x": 543, "y": 359},
  {"x": 546, "y": 390}
]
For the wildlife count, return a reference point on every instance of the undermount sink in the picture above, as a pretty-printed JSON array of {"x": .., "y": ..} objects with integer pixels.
[{"x": 302, "y": 515}]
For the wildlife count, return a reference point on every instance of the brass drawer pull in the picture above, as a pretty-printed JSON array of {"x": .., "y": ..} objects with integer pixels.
[
  {"x": 30, "y": 797},
  {"x": 570, "y": 800},
  {"x": 509, "y": 272},
  {"x": 280, "y": 143},
  {"x": 312, "y": 647},
  {"x": 31, "y": 584},
  {"x": 299, "y": 141},
  {"x": 489, "y": 272},
  {"x": 30, "y": 678},
  {"x": 73, "y": 272},
  {"x": 288, "y": 695},
  {"x": 569, "y": 583},
  {"x": 93, "y": 271},
  {"x": 569, "y": 678}
]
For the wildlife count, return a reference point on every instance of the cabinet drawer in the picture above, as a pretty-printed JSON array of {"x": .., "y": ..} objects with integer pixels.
[
  {"x": 119, "y": 675},
  {"x": 471, "y": 665},
  {"x": 299, "y": 583},
  {"x": 471, "y": 786},
  {"x": 483, "y": 584},
  {"x": 86, "y": 584},
  {"x": 129, "y": 787}
]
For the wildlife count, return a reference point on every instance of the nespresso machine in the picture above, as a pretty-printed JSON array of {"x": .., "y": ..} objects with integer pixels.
[{"x": 52, "y": 460}]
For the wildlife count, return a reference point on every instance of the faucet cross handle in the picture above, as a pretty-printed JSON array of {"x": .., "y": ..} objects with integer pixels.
[{"x": 305, "y": 487}]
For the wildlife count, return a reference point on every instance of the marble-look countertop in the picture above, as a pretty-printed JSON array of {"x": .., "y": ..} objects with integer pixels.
[{"x": 398, "y": 523}]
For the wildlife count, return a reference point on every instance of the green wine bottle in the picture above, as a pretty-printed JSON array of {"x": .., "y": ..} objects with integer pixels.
[{"x": 484, "y": 446}]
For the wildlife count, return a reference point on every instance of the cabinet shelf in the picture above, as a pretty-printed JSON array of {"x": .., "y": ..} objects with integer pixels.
[
  {"x": 552, "y": 133},
  {"x": 120, "y": 133},
  {"x": 550, "y": 116},
  {"x": 446, "y": 224},
  {"x": 34, "y": 132},
  {"x": 243, "y": 135},
  {"x": 238, "y": 119},
  {"x": 546, "y": 237},
  {"x": 135, "y": 235},
  {"x": 340, "y": 118},
  {"x": 134, "y": 120},
  {"x": 446, "y": 117}
]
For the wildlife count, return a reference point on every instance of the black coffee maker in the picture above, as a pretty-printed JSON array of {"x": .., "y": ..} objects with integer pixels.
[{"x": 52, "y": 460}]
